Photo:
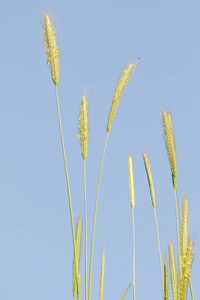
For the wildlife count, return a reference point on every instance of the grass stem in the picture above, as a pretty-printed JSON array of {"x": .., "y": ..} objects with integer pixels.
[
  {"x": 133, "y": 254},
  {"x": 161, "y": 272},
  {"x": 85, "y": 207},
  {"x": 94, "y": 221},
  {"x": 67, "y": 180}
]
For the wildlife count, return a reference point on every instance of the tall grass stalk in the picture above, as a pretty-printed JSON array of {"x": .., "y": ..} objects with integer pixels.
[
  {"x": 83, "y": 135},
  {"x": 133, "y": 254},
  {"x": 151, "y": 188},
  {"x": 53, "y": 60},
  {"x": 67, "y": 180},
  {"x": 124, "y": 79},
  {"x": 94, "y": 221},
  {"x": 85, "y": 207},
  {"x": 132, "y": 203}
]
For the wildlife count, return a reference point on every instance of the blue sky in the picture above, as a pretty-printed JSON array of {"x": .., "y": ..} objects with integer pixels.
[{"x": 97, "y": 40}]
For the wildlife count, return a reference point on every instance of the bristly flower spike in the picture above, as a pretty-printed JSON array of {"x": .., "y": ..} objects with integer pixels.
[
  {"x": 53, "y": 59},
  {"x": 102, "y": 275},
  {"x": 124, "y": 79},
  {"x": 83, "y": 127},
  {"x": 170, "y": 143},
  {"x": 150, "y": 180},
  {"x": 131, "y": 181}
]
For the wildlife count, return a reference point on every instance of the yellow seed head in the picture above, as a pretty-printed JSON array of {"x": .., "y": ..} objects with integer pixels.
[
  {"x": 78, "y": 254},
  {"x": 184, "y": 228},
  {"x": 170, "y": 143},
  {"x": 53, "y": 59},
  {"x": 150, "y": 180},
  {"x": 124, "y": 79},
  {"x": 102, "y": 276},
  {"x": 185, "y": 271},
  {"x": 83, "y": 127},
  {"x": 166, "y": 281},
  {"x": 131, "y": 181},
  {"x": 173, "y": 271}
]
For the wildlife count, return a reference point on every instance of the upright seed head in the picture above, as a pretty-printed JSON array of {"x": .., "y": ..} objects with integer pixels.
[
  {"x": 131, "y": 181},
  {"x": 83, "y": 127},
  {"x": 78, "y": 255},
  {"x": 173, "y": 271},
  {"x": 184, "y": 228},
  {"x": 53, "y": 59},
  {"x": 150, "y": 180},
  {"x": 102, "y": 275},
  {"x": 186, "y": 271},
  {"x": 124, "y": 79},
  {"x": 166, "y": 281},
  {"x": 170, "y": 143}
]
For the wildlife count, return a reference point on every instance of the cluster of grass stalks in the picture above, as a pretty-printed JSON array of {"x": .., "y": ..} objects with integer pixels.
[{"x": 179, "y": 272}]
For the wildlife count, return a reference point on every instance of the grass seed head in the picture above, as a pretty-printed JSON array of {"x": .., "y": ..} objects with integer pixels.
[
  {"x": 173, "y": 271},
  {"x": 53, "y": 58},
  {"x": 170, "y": 143},
  {"x": 150, "y": 180},
  {"x": 184, "y": 228},
  {"x": 78, "y": 255},
  {"x": 185, "y": 271},
  {"x": 83, "y": 127},
  {"x": 102, "y": 275},
  {"x": 131, "y": 181},
  {"x": 166, "y": 281},
  {"x": 124, "y": 79}
]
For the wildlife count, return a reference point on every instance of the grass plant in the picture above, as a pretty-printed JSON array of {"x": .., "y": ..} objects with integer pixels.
[{"x": 180, "y": 275}]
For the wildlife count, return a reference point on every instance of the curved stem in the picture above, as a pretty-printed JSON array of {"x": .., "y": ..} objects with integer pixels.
[
  {"x": 161, "y": 272},
  {"x": 94, "y": 222},
  {"x": 67, "y": 180},
  {"x": 133, "y": 255},
  {"x": 85, "y": 231},
  {"x": 177, "y": 226}
]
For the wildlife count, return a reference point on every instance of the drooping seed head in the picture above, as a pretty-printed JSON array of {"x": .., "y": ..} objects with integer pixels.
[
  {"x": 124, "y": 79},
  {"x": 150, "y": 180},
  {"x": 53, "y": 59},
  {"x": 170, "y": 143},
  {"x": 83, "y": 127},
  {"x": 102, "y": 276},
  {"x": 131, "y": 181}
]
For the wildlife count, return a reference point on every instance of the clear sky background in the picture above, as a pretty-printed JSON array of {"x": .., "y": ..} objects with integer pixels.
[{"x": 98, "y": 38}]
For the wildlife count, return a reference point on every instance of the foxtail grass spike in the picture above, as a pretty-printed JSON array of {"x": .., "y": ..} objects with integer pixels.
[
  {"x": 53, "y": 58},
  {"x": 170, "y": 143},
  {"x": 184, "y": 277},
  {"x": 131, "y": 181},
  {"x": 173, "y": 271},
  {"x": 184, "y": 228},
  {"x": 149, "y": 177},
  {"x": 78, "y": 255},
  {"x": 124, "y": 79},
  {"x": 83, "y": 127},
  {"x": 102, "y": 275},
  {"x": 166, "y": 281}
]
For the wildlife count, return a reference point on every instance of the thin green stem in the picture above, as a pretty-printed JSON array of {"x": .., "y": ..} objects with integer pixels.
[
  {"x": 85, "y": 230},
  {"x": 133, "y": 254},
  {"x": 179, "y": 206},
  {"x": 94, "y": 221},
  {"x": 161, "y": 272},
  {"x": 177, "y": 226},
  {"x": 191, "y": 291},
  {"x": 67, "y": 180}
]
